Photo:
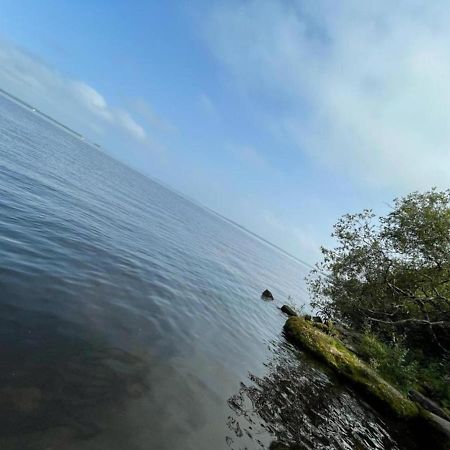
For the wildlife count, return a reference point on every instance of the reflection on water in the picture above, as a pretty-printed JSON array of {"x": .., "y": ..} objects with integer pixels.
[
  {"x": 128, "y": 315},
  {"x": 94, "y": 257},
  {"x": 297, "y": 405},
  {"x": 60, "y": 389}
]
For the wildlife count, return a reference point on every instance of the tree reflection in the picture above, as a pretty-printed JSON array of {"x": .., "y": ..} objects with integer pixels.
[{"x": 298, "y": 405}]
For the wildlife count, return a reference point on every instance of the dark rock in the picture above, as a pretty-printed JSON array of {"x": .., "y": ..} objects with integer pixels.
[
  {"x": 288, "y": 310},
  {"x": 307, "y": 317},
  {"x": 427, "y": 404},
  {"x": 267, "y": 295},
  {"x": 317, "y": 319}
]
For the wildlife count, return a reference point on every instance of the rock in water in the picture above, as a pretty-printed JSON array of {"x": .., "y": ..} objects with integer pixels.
[
  {"x": 267, "y": 295},
  {"x": 288, "y": 310}
]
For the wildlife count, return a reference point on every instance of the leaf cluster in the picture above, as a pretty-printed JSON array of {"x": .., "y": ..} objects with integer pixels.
[{"x": 391, "y": 272}]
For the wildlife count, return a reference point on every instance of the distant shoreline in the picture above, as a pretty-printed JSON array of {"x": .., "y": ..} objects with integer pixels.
[
  {"x": 204, "y": 207},
  {"x": 44, "y": 115}
]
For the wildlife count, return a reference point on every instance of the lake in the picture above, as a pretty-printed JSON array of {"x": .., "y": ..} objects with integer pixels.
[{"x": 131, "y": 317}]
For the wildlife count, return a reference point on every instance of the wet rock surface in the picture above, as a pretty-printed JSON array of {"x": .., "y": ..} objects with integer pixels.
[
  {"x": 288, "y": 310},
  {"x": 300, "y": 405},
  {"x": 267, "y": 295}
]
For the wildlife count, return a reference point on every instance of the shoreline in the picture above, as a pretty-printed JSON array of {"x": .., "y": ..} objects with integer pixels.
[{"x": 331, "y": 351}]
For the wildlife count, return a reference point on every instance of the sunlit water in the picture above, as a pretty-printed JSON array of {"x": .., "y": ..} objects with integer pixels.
[{"x": 131, "y": 318}]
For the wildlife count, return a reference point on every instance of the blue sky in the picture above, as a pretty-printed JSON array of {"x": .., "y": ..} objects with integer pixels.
[{"x": 279, "y": 115}]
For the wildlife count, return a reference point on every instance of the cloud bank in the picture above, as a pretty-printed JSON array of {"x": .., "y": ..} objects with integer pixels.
[
  {"x": 360, "y": 87},
  {"x": 73, "y": 102}
]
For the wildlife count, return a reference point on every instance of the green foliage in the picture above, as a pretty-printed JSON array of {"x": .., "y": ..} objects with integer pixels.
[
  {"x": 391, "y": 275},
  {"x": 392, "y": 362},
  {"x": 433, "y": 378},
  {"x": 391, "y": 272},
  {"x": 406, "y": 369}
]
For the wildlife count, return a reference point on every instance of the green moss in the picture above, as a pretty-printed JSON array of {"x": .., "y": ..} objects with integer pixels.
[{"x": 349, "y": 366}]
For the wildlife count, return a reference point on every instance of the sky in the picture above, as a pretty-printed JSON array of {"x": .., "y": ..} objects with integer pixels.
[{"x": 280, "y": 115}]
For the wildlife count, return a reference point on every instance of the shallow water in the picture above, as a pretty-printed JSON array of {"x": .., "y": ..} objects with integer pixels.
[
  {"x": 299, "y": 404},
  {"x": 131, "y": 317}
]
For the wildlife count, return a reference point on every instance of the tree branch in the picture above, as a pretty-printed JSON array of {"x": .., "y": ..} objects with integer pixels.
[{"x": 442, "y": 323}]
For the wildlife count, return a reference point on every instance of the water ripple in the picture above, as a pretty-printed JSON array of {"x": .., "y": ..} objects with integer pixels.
[{"x": 128, "y": 315}]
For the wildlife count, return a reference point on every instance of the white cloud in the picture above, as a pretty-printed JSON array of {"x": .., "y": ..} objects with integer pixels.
[
  {"x": 92, "y": 99},
  {"x": 363, "y": 86},
  {"x": 72, "y": 102},
  {"x": 130, "y": 124}
]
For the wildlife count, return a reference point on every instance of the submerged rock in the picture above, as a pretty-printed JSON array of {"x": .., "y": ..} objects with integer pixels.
[
  {"x": 288, "y": 310},
  {"x": 267, "y": 295}
]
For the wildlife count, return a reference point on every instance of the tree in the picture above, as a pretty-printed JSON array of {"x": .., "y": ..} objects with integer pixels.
[{"x": 391, "y": 272}]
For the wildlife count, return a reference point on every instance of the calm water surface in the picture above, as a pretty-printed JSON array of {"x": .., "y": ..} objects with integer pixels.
[{"x": 131, "y": 318}]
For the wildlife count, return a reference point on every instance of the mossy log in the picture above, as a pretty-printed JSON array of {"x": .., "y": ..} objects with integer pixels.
[{"x": 349, "y": 366}]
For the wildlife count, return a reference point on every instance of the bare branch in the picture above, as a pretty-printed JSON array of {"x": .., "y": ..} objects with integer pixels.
[{"x": 442, "y": 323}]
